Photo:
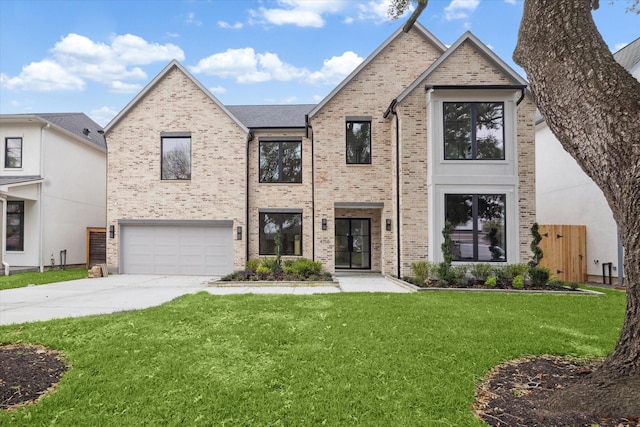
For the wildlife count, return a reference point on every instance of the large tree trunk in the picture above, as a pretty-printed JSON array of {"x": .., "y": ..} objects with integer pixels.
[{"x": 592, "y": 105}]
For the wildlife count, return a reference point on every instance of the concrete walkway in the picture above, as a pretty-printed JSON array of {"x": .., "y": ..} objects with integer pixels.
[{"x": 132, "y": 292}]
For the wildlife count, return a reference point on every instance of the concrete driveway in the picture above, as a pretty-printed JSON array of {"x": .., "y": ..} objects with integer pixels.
[{"x": 122, "y": 292}]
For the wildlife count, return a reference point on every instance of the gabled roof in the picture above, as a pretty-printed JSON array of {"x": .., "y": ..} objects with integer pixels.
[
  {"x": 484, "y": 51},
  {"x": 271, "y": 116},
  {"x": 75, "y": 125},
  {"x": 156, "y": 80},
  {"x": 399, "y": 32},
  {"x": 629, "y": 57}
]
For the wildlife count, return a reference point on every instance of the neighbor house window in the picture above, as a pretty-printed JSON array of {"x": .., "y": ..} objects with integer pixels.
[
  {"x": 15, "y": 226},
  {"x": 176, "y": 158},
  {"x": 282, "y": 228},
  {"x": 358, "y": 142},
  {"x": 479, "y": 229},
  {"x": 13, "y": 152},
  {"x": 473, "y": 130},
  {"x": 281, "y": 161}
]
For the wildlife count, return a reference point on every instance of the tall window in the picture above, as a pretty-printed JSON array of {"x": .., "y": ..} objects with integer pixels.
[
  {"x": 176, "y": 158},
  {"x": 287, "y": 227},
  {"x": 473, "y": 130},
  {"x": 479, "y": 229},
  {"x": 15, "y": 226},
  {"x": 358, "y": 142},
  {"x": 281, "y": 161},
  {"x": 13, "y": 152}
]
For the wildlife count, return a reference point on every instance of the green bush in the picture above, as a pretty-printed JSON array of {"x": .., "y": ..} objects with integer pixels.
[
  {"x": 422, "y": 270},
  {"x": 252, "y": 264},
  {"x": 539, "y": 275},
  {"x": 491, "y": 282},
  {"x": 263, "y": 269},
  {"x": 272, "y": 264},
  {"x": 518, "y": 282},
  {"x": 519, "y": 270},
  {"x": 481, "y": 271},
  {"x": 303, "y": 267},
  {"x": 452, "y": 275}
]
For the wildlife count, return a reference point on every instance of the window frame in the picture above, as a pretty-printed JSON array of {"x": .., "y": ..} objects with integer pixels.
[
  {"x": 280, "y": 215},
  {"x": 361, "y": 120},
  {"x": 20, "y": 215},
  {"x": 6, "y": 152},
  {"x": 173, "y": 136},
  {"x": 475, "y": 231},
  {"x": 281, "y": 142},
  {"x": 473, "y": 125}
]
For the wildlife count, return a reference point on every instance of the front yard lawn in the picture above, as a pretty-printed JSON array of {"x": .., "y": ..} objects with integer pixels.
[
  {"x": 340, "y": 359},
  {"x": 19, "y": 280}
]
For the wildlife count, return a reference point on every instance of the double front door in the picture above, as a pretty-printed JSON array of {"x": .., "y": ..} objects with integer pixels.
[{"x": 353, "y": 243}]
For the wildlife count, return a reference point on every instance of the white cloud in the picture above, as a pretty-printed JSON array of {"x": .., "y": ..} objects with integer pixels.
[
  {"x": 172, "y": 35},
  {"x": 191, "y": 20},
  {"x": 378, "y": 11},
  {"x": 302, "y": 13},
  {"x": 121, "y": 87},
  {"x": 618, "y": 46},
  {"x": 247, "y": 66},
  {"x": 43, "y": 76},
  {"x": 335, "y": 69},
  {"x": 76, "y": 59},
  {"x": 510, "y": 1},
  {"x": 460, "y": 9},
  {"x": 226, "y": 25},
  {"x": 103, "y": 115},
  {"x": 218, "y": 90}
]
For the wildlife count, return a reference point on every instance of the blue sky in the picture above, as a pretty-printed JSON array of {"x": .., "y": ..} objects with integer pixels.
[{"x": 94, "y": 56}]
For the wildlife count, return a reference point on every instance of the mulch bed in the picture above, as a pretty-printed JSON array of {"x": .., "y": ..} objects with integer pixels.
[
  {"x": 514, "y": 394},
  {"x": 27, "y": 372}
]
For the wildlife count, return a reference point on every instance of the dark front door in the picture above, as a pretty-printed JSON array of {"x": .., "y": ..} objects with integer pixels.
[{"x": 353, "y": 243}]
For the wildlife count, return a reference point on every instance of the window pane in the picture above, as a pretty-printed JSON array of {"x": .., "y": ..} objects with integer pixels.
[
  {"x": 359, "y": 142},
  {"x": 291, "y": 162},
  {"x": 479, "y": 231},
  {"x": 491, "y": 228},
  {"x": 290, "y": 226},
  {"x": 13, "y": 153},
  {"x": 15, "y": 226},
  {"x": 490, "y": 130},
  {"x": 176, "y": 158},
  {"x": 269, "y": 152},
  {"x": 457, "y": 130}
]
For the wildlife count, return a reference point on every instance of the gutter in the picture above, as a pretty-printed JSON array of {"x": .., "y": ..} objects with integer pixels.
[
  {"x": 40, "y": 201},
  {"x": 392, "y": 110},
  {"x": 250, "y": 137},
  {"x": 307, "y": 128},
  {"x": 522, "y": 88}
]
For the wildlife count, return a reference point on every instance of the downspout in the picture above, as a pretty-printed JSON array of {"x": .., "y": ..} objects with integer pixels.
[
  {"x": 4, "y": 235},
  {"x": 308, "y": 127},
  {"x": 246, "y": 232},
  {"x": 40, "y": 201},
  {"x": 523, "y": 92},
  {"x": 392, "y": 110}
]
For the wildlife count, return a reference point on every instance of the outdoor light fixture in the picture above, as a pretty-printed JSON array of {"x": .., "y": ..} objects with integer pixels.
[
  {"x": 239, "y": 233},
  {"x": 388, "y": 225},
  {"x": 324, "y": 223},
  {"x": 112, "y": 231}
]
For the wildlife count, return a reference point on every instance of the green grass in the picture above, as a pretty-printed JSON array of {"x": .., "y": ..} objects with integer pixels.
[
  {"x": 19, "y": 280},
  {"x": 341, "y": 359}
]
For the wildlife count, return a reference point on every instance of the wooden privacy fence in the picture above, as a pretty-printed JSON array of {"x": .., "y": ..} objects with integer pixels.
[
  {"x": 565, "y": 251},
  {"x": 96, "y": 246}
]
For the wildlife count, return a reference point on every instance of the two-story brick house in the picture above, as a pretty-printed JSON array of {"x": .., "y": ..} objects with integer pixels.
[
  {"x": 53, "y": 178},
  {"x": 364, "y": 180}
]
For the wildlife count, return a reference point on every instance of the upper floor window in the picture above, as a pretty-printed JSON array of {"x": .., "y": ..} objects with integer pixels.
[
  {"x": 15, "y": 226},
  {"x": 358, "y": 141},
  {"x": 479, "y": 229},
  {"x": 13, "y": 152},
  {"x": 473, "y": 130},
  {"x": 281, "y": 161},
  {"x": 283, "y": 229},
  {"x": 176, "y": 157}
]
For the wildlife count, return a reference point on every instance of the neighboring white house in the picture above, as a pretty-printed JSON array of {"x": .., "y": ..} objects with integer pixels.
[
  {"x": 566, "y": 195},
  {"x": 52, "y": 187}
]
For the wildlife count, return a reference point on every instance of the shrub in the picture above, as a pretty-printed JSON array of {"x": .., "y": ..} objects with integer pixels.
[
  {"x": 272, "y": 264},
  {"x": 518, "y": 282},
  {"x": 481, "y": 271},
  {"x": 519, "y": 270},
  {"x": 303, "y": 267},
  {"x": 535, "y": 248},
  {"x": 504, "y": 273},
  {"x": 422, "y": 270},
  {"x": 452, "y": 275},
  {"x": 263, "y": 269},
  {"x": 491, "y": 282},
  {"x": 539, "y": 275},
  {"x": 253, "y": 264}
]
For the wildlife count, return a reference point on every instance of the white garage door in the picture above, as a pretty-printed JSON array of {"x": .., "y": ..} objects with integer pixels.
[{"x": 189, "y": 248}]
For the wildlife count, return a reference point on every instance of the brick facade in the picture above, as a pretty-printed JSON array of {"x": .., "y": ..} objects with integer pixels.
[{"x": 330, "y": 187}]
